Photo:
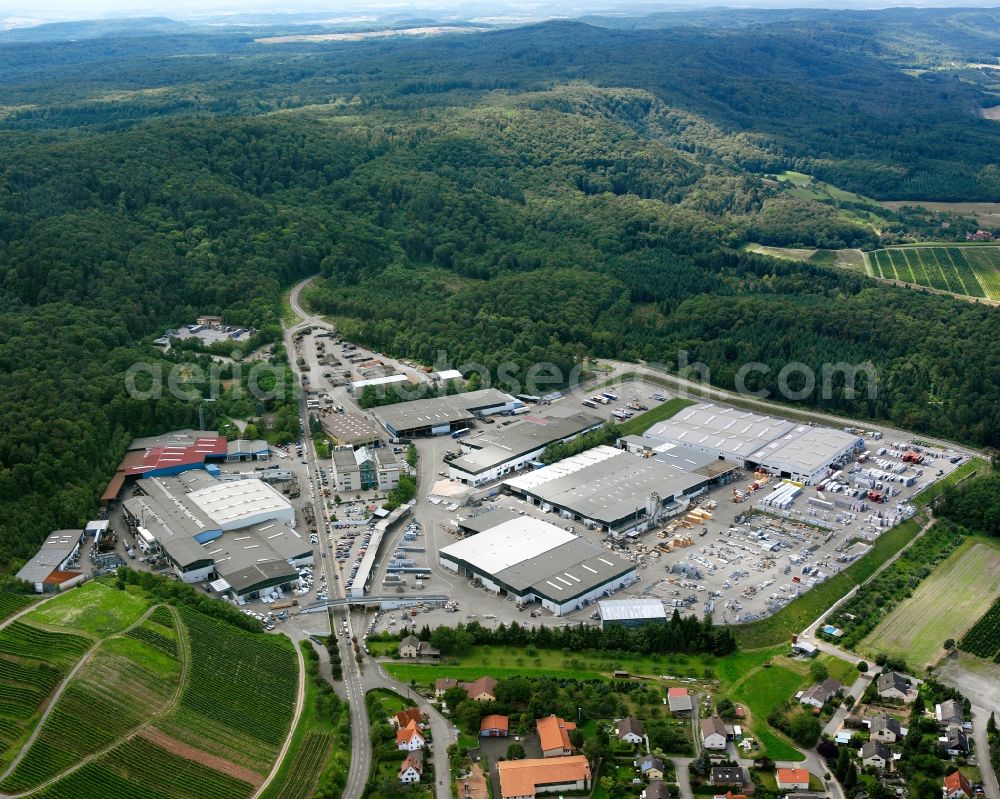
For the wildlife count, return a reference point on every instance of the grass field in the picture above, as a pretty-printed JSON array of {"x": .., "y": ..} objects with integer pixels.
[
  {"x": 986, "y": 214},
  {"x": 971, "y": 271},
  {"x": 946, "y": 604},
  {"x": 93, "y": 608},
  {"x": 845, "y": 259}
]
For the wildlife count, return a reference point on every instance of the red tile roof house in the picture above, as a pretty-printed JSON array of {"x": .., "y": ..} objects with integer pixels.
[
  {"x": 494, "y": 726},
  {"x": 956, "y": 786},
  {"x": 793, "y": 779}
]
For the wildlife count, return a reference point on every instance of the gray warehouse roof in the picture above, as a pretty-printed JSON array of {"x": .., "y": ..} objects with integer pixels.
[
  {"x": 417, "y": 414},
  {"x": 730, "y": 430},
  {"x": 806, "y": 449},
  {"x": 492, "y": 447},
  {"x": 267, "y": 572},
  {"x": 607, "y": 489},
  {"x": 57, "y": 546},
  {"x": 486, "y": 520},
  {"x": 631, "y": 609}
]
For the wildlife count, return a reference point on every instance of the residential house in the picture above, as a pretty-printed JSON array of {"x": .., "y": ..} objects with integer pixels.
[
  {"x": 679, "y": 701},
  {"x": 875, "y": 753},
  {"x": 954, "y": 743},
  {"x": 401, "y": 718},
  {"x": 949, "y": 712},
  {"x": 651, "y": 767},
  {"x": 956, "y": 786},
  {"x": 524, "y": 779},
  {"x": 413, "y": 647},
  {"x": 630, "y": 729},
  {"x": 481, "y": 690},
  {"x": 793, "y": 779},
  {"x": 553, "y": 735},
  {"x": 821, "y": 693},
  {"x": 409, "y": 738},
  {"x": 655, "y": 790},
  {"x": 726, "y": 775},
  {"x": 412, "y": 767},
  {"x": 442, "y": 684},
  {"x": 883, "y": 727},
  {"x": 713, "y": 733},
  {"x": 893, "y": 685},
  {"x": 494, "y": 726}
]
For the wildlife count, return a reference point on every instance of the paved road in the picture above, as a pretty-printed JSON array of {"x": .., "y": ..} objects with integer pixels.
[
  {"x": 353, "y": 689},
  {"x": 441, "y": 729},
  {"x": 683, "y": 772}
]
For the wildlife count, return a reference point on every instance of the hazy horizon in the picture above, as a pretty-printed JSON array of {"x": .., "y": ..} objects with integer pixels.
[{"x": 22, "y": 14}]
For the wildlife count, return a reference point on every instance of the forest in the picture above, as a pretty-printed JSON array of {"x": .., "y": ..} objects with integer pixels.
[{"x": 532, "y": 194}]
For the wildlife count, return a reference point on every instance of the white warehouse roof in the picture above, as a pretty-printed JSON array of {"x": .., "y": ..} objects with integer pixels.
[
  {"x": 508, "y": 544},
  {"x": 631, "y": 609},
  {"x": 730, "y": 430},
  {"x": 241, "y": 502},
  {"x": 806, "y": 449}
]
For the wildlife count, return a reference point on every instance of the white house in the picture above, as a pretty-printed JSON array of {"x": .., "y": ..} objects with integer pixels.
[{"x": 713, "y": 733}]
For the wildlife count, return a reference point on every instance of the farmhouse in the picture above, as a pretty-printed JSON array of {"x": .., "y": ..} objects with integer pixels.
[
  {"x": 957, "y": 786},
  {"x": 412, "y": 767},
  {"x": 821, "y": 693},
  {"x": 679, "y": 701},
  {"x": 482, "y": 690},
  {"x": 875, "y": 753},
  {"x": 409, "y": 738},
  {"x": 494, "y": 726},
  {"x": 793, "y": 779},
  {"x": 651, "y": 767},
  {"x": 442, "y": 684},
  {"x": 883, "y": 727},
  {"x": 401, "y": 718},
  {"x": 713, "y": 733},
  {"x": 893, "y": 685},
  {"x": 413, "y": 647},
  {"x": 553, "y": 735},
  {"x": 630, "y": 729},
  {"x": 524, "y": 779}
]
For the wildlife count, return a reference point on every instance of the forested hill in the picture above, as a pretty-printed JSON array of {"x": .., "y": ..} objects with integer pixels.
[{"x": 524, "y": 195}]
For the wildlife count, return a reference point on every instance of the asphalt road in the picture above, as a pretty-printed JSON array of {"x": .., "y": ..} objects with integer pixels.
[{"x": 353, "y": 684}]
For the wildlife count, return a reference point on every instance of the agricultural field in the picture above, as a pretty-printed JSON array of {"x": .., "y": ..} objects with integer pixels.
[
  {"x": 945, "y": 605},
  {"x": 12, "y": 603},
  {"x": 971, "y": 271},
  {"x": 983, "y": 638},
  {"x": 174, "y": 706},
  {"x": 845, "y": 259}
]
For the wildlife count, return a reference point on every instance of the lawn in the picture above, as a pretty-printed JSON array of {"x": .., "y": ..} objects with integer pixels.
[
  {"x": 93, "y": 608},
  {"x": 932, "y": 492},
  {"x": 945, "y": 605},
  {"x": 391, "y": 701},
  {"x": 761, "y": 691},
  {"x": 839, "y": 669}
]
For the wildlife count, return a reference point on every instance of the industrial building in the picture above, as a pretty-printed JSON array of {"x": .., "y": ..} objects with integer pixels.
[
  {"x": 349, "y": 429},
  {"x": 531, "y": 560},
  {"x": 631, "y": 612},
  {"x": 53, "y": 566},
  {"x": 236, "y": 534},
  {"x": 243, "y": 450},
  {"x": 609, "y": 488},
  {"x": 363, "y": 469},
  {"x": 495, "y": 452},
  {"x": 787, "y": 449},
  {"x": 164, "y": 455},
  {"x": 441, "y": 415}
]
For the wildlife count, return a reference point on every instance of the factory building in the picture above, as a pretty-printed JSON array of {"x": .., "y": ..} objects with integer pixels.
[
  {"x": 55, "y": 565},
  {"x": 631, "y": 612},
  {"x": 242, "y": 450},
  {"x": 492, "y": 453},
  {"x": 787, "y": 449},
  {"x": 609, "y": 488},
  {"x": 531, "y": 560},
  {"x": 441, "y": 415},
  {"x": 165, "y": 455},
  {"x": 236, "y": 534}
]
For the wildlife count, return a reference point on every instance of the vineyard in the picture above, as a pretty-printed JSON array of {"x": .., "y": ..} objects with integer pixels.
[
  {"x": 983, "y": 638},
  {"x": 12, "y": 603},
  {"x": 240, "y": 681},
  {"x": 971, "y": 271},
  {"x": 123, "y": 684},
  {"x": 139, "y": 769},
  {"x": 299, "y": 780}
]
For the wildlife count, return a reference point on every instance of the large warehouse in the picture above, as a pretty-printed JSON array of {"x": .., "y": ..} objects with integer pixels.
[
  {"x": 55, "y": 564},
  {"x": 790, "y": 450},
  {"x": 490, "y": 454},
  {"x": 609, "y": 488},
  {"x": 631, "y": 612},
  {"x": 531, "y": 560},
  {"x": 235, "y": 533},
  {"x": 441, "y": 415}
]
